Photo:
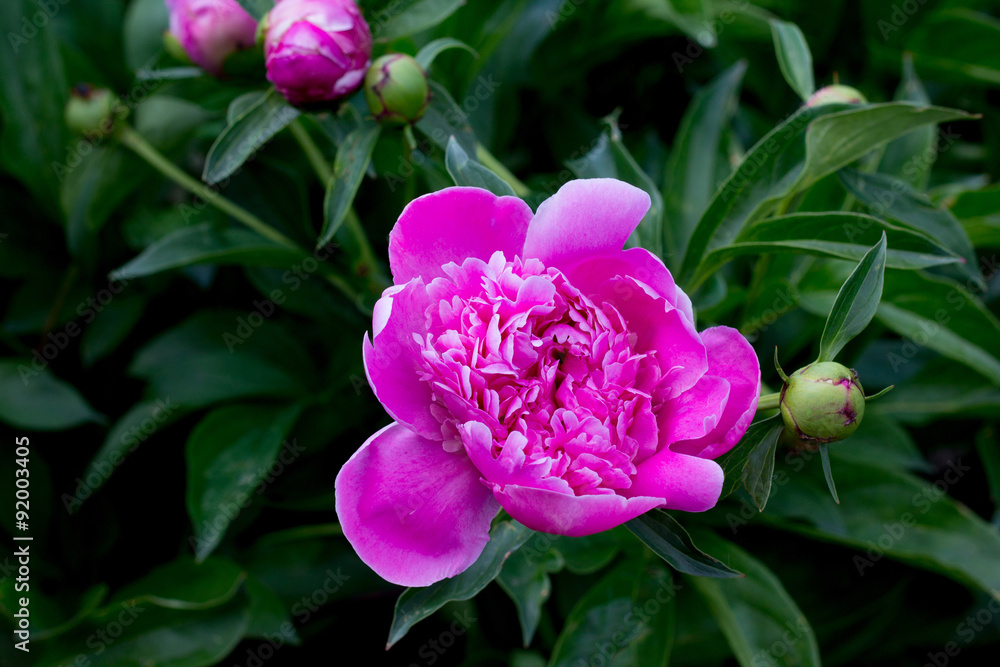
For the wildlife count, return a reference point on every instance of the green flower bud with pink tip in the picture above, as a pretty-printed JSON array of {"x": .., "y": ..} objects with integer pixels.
[
  {"x": 836, "y": 94},
  {"x": 823, "y": 402},
  {"x": 396, "y": 89}
]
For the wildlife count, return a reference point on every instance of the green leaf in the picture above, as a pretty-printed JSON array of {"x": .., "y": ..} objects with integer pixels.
[
  {"x": 609, "y": 158},
  {"x": 184, "y": 584},
  {"x": 269, "y": 618},
  {"x": 246, "y": 134},
  {"x": 965, "y": 331},
  {"x": 890, "y": 198},
  {"x": 756, "y": 614},
  {"x": 988, "y": 448},
  {"x": 141, "y": 422},
  {"x": 626, "y": 618},
  {"x": 957, "y": 43},
  {"x": 667, "y": 538},
  {"x": 692, "y": 169},
  {"x": 835, "y": 235},
  {"x": 789, "y": 159},
  {"x": 353, "y": 156},
  {"x": 856, "y": 303},
  {"x": 228, "y": 455},
  {"x": 759, "y": 469},
  {"x": 171, "y": 638},
  {"x": 836, "y": 140},
  {"x": 416, "y": 16},
  {"x": 525, "y": 579},
  {"x": 219, "y": 355},
  {"x": 794, "y": 58},
  {"x": 465, "y": 171},
  {"x": 444, "y": 119},
  {"x": 736, "y": 462},
  {"x": 911, "y": 156},
  {"x": 426, "y": 55},
  {"x": 110, "y": 327},
  {"x": 35, "y": 145},
  {"x": 39, "y": 401},
  {"x": 208, "y": 243},
  {"x": 256, "y": 8},
  {"x": 887, "y": 513},
  {"x": 416, "y": 604}
]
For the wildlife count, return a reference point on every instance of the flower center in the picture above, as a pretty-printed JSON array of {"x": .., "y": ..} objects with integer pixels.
[{"x": 513, "y": 345}]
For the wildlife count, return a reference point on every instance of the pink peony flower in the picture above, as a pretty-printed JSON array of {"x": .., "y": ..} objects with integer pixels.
[
  {"x": 210, "y": 31},
  {"x": 316, "y": 50},
  {"x": 532, "y": 364}
]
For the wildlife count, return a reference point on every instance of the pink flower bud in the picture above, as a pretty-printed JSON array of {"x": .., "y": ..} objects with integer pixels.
[
  {"x": 210, "y": 31},
  {"x": 316, "y": 50}
]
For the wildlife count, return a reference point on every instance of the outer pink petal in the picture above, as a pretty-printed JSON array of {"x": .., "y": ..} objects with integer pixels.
[
  {"x": 585, "y": 217},
  {"x": 567, "y": 514},
  {"x": 415, "y": 513},
  {"x": 694, "y": 413},
  {"x": 587, "y": 274},
  {"x": 731, "y": 357},
  {"x": 452, "y": 225},
  {"x": 659, "y": 328},
  {"x": 392, "y": 363},
  {"x": 687, "y": 483}
]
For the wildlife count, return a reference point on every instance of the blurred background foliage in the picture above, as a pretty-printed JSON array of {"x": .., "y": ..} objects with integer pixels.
[{"x": 179, "y": 391}]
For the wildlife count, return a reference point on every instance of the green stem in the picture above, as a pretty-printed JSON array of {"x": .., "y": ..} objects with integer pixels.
[
  {"x": 147, "y": 152},
  {"x": 769, "y": 402},
  {"x": 312, "y": 151},
  {"x": 496, "y": 166},
  {"x": 325, "y": 174}
]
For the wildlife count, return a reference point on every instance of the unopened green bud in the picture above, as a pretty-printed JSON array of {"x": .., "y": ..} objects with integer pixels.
[
  {"x": 396, "y": 89},
  {"x": 91, "y": 111},
  {"x": 836, "y": 94},
  {"x": 823, "y": 402}
]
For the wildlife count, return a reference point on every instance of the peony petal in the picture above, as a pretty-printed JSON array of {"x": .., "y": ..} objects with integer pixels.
[
  {"x": 415, "y": 513},
  {"x": 694, "y": 413},
  {"x": 452, "y": 225},
  {"x": 566, "y": 514},
  {"x": 659, "y": 328},
  {"x": 585, "y": 217},
  {"x": 730, "y": 356},
  {"x": 392, "y": 361},
  {"x": 589, "y": 273},
  {"x": 687, "y": 483}
]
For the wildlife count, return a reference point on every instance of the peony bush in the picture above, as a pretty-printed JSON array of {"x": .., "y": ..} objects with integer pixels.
[{"x": 550, "y": 333}]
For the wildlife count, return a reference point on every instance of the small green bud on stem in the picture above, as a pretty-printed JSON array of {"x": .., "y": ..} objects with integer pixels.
[
  {"x": 822, "y": 402},
  {"x": 91, "y": 111},
  {"x": 396, "y": 89}
]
